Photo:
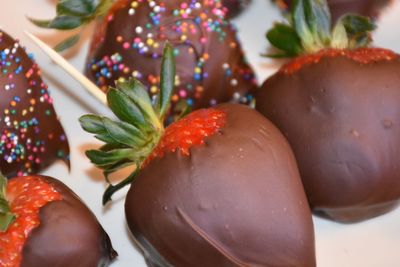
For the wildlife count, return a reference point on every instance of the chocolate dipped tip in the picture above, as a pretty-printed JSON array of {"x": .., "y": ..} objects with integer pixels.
[
  {"x": 237, "y": 200},
  {"x": 340, "y": 116},
  {"x": 68, "y": 235}
]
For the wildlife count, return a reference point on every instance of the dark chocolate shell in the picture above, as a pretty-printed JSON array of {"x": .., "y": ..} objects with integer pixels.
[
  {"x": 235, "y": 7},
  {"x": 31, "y": 137},
  {"x": 342, "y": 119},
  {"x": 210, "y": 64},
  {"x": 68, "y": 235},
  {"x": 236, "y": 201}
]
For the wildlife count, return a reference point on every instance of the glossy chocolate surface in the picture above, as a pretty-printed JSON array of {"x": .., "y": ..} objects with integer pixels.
[
  {"x": 236, "y": 201},
  {"x": 31, "y": 137},
  {"x": 68, "y": 235},
  {"x": 211, "y": 67},
  {"x": 235, "y": 7},
  {"x": 342, "y": 119}
]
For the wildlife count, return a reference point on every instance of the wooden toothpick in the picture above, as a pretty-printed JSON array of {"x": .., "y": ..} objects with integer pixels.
[{"x": 71, "y": 70}]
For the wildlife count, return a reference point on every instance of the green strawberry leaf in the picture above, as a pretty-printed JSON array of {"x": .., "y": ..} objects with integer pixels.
[
  {"x": 62, "y": 22},
  {"x": 104, "y": 158},
  {"x": 358, "y": 30},
  {"x": 285, "y": 38},
  {"x": 80, "y": 8},
  {"x": 167, "y": 80},
  {"x": 136, "y": 91},
  {"x": 319, "y": 19},
  {"x": 6, "y": 216},
  {"x": 93, "y": 124},
  {"x": 126, "y": 110},
  {"x": 67, "y": 43},
  {"x": 6, "y": 219},
  {"x": 124, "y": 133},
  {"x": 131, "y": 140},
  {"x": 356, "y": 24},
  {"x": 301, "y": 25},
  {"x": 309, "y": 30},
  {"x": 339, "y": 37},
  {"x": 106, "y": 138}
]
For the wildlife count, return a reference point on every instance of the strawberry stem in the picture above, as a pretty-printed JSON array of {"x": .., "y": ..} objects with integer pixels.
[
  {"x": 132, "y": 139},
  {"x": 6, "y": 216},
  {"x": 72, "y": 14},
  {"x": 111, "y": 189},
  {"x": 309, "y": 30}
]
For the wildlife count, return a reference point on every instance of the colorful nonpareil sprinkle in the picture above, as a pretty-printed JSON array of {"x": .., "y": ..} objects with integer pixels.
[
  {"x": 211, "y": 67},
  {"x": 31, "y": 137}
]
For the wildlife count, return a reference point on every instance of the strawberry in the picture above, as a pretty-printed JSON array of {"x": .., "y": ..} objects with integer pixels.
[
  {"x": 43, "y": 223},
  {"x": 341, "y": 7},
  {"x": 219, "y": 187},
  {"x": 337, "y": 102},
  {"x": 31, "y": 136},
  {"x": 128, "y": 41}
]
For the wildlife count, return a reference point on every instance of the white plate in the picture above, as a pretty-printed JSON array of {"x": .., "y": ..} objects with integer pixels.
[{"x": 374, "y": 243}]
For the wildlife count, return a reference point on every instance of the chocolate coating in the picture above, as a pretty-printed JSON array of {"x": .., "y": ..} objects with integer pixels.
[
  {"x": 68, "y": 235},
  {"x": 210, "y": 64},
  {"x": 235, "y": 7},
  {"x": 369, "y": 8},
  {"x": 342, "y": 121},
  {"x": 237, "y": 201},
  {"x": 31, "y": 137}
]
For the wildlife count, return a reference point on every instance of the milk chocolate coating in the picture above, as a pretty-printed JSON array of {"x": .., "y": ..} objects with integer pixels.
[
  {"x": 210, "y": 63},
  {"x": 369, "y": 8},
  {"x": 235, "y": 7},
  {"x": 68, "y": 235},
  {"x": 31, "y": 137},
  {"x": 342, "y": 120},
  {"x": 237, "y": 201}
]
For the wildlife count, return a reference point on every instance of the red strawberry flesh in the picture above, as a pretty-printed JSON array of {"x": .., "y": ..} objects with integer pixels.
[
  {"x": 360, "y": 55},
  {"x": 189, "y": 131}
]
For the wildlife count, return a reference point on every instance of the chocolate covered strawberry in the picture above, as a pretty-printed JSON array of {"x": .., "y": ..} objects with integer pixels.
[
  {"x": 339, "y": 8},
  {"x": 43, "y": 223},
  {"x": 31, "y": 137},
  {"x": 211, "y": 67},
  {"x": 338, "y": 104},
  {"x": 219, "y": 187}
]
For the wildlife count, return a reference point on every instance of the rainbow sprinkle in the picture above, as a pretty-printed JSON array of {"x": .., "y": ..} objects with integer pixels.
[
  {"x": 29, "y": 139},
  {"x": 193, "y": 27}
]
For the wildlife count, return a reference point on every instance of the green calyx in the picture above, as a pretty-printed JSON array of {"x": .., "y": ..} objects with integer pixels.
[
  {"x": 72, "y": 14},
  {"x": 6, "y": 216},
  {"x": 309, "y": 30},
  {"x": 132, "y": 138}
]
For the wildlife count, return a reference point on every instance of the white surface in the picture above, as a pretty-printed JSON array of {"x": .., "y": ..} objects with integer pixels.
[{"x": 375, "y": 243}]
